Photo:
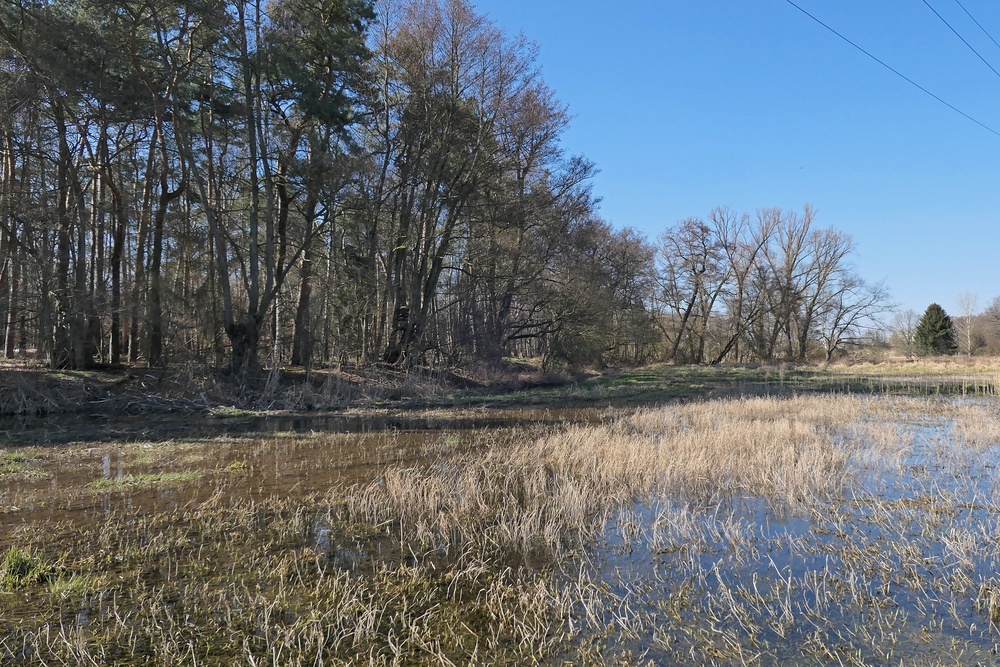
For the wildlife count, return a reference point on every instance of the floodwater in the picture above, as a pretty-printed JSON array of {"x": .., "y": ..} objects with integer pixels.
[
  {"x": 899, "y": 565},
  {"x": 128, "y": 428},
  {"x": 81, "y": 469}
]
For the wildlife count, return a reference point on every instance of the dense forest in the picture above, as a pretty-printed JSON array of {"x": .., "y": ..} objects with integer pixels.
[{"x": 315, "y": 182}]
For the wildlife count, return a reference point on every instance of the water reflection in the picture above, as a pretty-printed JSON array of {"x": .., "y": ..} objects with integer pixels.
[
  {"x": 127, "y": 428},
  {"x": 247, "y": 457}
]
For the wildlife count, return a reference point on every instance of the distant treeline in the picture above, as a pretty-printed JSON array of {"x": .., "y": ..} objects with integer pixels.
[{"x": 318, "y": 181}]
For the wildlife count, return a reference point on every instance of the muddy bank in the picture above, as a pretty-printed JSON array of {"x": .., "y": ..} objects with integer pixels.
[{"x": 38, "y": 392}]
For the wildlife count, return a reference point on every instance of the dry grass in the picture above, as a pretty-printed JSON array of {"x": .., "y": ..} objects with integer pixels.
[
  {"x": 880, "y": 567},
  {"x": 965, "y": 376},
  {"x": 923, "y": 366},
  {"x": 554, "y": 494}
]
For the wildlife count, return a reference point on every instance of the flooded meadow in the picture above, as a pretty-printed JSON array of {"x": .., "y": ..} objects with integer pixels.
[{"x": 802, "y": 530}]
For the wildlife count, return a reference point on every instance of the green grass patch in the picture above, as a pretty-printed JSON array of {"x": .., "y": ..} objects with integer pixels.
[
  {"x": 11, "y": 469},
  {"x": 237, "y": 466},
  {"x": 15, "y": 464},
  {"x": 127, "y": 482},
  {"x": 20, "y": 569}
]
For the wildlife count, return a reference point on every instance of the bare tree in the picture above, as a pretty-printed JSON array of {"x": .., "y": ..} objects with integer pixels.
[
  {"x": 850, "y": 312},
  {"x": 968, "y": 302},
  {"x": 903, "y": 330},
  {"x": 693, "y": 273},
  {"x": 742, "y": 242},
  {"x": 828, "y": 290},
  {"x": 992, "y": 311},
  {"x": 777, "y": 280},
  {"x": 773, "y": 287}
]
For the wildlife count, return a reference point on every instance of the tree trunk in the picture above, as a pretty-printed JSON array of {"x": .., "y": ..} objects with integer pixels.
[
  {"x": 244, "y": 337},
  {"x": 62, "y": 349},
  {"x": 302, "y": 342},
  {"x": 117, "y": 250},
  {"x": 155, "y": 271},
  {"x": 302, "y": 339},
  {"x": 139, "y": 276}
]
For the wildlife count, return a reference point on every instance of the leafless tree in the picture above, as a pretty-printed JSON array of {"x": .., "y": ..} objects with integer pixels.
[
  {"x": 773, "y": 287},
  {"x": 851, "y": 312},
  {"x": 968, "y": 302},
  {"x": 693, "y": 273},
  {"x": 903, "y": 329}
]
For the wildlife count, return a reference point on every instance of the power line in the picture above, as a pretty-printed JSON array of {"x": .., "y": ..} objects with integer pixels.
[
  {"x": 897, "y": 72},
  {"x": 977, "y": 23},
  {"x": 971, "y": 47}
]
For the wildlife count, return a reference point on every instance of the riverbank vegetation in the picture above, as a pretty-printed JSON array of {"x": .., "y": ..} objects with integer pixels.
[{"x": 34, "y": 392}]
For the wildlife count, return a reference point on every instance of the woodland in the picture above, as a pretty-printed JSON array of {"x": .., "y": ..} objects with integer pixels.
[{"x": 315, "y": 182}]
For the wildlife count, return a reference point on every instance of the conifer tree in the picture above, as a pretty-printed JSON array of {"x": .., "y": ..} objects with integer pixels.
[{"x": 935, "y": 332}]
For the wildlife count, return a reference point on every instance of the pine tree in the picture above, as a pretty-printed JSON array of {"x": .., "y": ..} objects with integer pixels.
[{"x": 935, "y": 332}]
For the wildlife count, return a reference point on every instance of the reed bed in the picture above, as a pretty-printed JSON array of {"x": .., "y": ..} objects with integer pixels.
[
  {"x": 553, "y": 495},
  {"x": 805, "y": 530}
]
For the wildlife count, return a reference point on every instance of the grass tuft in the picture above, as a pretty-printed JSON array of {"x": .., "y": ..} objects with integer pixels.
[
  {"x": 71, "y": 586},
  {"x": 20, "y": 569}
]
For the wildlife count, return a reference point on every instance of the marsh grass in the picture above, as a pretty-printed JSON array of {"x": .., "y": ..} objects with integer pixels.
[
  {"x": 805, "y": 530},
  {"x": 554, "y": 494},
  {"x": 883, "y": 526}
]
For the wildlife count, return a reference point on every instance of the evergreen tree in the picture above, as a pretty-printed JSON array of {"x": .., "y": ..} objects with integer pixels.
[{"x": 935, "y": 332}]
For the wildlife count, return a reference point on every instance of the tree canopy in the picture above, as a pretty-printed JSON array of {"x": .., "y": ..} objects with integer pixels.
[{"x": 330, "y": 181}]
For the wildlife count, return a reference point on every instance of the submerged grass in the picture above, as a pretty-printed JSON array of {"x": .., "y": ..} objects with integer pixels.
[
  {"x": 18, "y": 464},
  {"x": 803, "y": 530}
]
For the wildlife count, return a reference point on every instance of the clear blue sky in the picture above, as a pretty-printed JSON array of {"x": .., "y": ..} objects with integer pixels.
[{"x": 689, "y": 104}]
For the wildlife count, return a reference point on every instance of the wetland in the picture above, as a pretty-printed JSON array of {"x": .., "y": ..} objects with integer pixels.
[{"x": 600, "y": 525}]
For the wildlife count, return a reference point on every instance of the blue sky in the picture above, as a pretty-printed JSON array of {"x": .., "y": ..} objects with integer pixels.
[{"x": 689, "y": 104}]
